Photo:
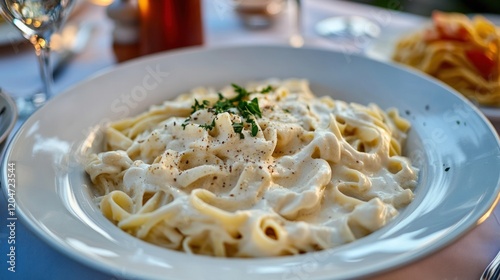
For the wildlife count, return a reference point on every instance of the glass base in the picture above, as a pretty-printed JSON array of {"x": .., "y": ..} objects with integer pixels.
[
  {"x": 353, "y": 32},
  {"x": 347, "y": 26},
  {"x": 27, "y": 106}
]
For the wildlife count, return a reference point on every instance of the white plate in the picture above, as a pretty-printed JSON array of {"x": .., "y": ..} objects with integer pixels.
[
  {"x": 383, "y": 47},
  {"x": 450, "y": 141}
]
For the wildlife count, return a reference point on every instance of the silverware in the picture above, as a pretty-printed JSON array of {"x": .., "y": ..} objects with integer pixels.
[
  {"x": 492, "y": 271},
  {"x": 8, "y": 118}
]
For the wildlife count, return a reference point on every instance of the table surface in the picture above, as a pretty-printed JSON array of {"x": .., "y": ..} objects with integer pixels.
[{"x": 464, "y": 259}]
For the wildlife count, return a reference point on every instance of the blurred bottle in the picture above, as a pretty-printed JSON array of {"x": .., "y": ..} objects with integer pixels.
[
  {"x": 169, "y": 24},
  {"x": 125, "y": 19}
]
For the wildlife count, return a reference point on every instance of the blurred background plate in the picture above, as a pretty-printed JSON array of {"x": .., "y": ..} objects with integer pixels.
[{"x": 383, "y": 48}]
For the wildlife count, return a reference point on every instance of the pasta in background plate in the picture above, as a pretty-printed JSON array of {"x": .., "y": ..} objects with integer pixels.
[
  {"x": 462, "y": 52},
  {"x": 260, "y": 171}
]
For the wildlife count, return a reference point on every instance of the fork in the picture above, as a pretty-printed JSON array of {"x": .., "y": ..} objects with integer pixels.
[{"x": 492, "y": 271}]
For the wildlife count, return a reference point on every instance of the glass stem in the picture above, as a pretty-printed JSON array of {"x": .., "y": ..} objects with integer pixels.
[
  {"x": 296, "y": 40},
  {"x": 298, "y": 14},
  {"x": 43, "y": 53}
]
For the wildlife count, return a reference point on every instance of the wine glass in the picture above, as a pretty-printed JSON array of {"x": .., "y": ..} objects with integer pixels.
[{"x": 37, "y": 20}]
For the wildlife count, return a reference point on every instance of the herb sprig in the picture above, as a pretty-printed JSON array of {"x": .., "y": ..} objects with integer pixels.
[{"x": 249, "y": 110}]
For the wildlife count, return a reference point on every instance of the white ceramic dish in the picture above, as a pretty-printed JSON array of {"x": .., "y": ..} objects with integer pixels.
[
  {"x": 383, "y": 48},
  {"x": 456, "y": 149}
]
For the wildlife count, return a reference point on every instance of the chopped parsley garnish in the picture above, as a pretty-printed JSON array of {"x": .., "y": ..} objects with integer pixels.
[
  {"x": 208, "y": 126},
  {"x": 199, "y": 106},
  {"x": 249, "y": 110},
  {"x": 267, "y": 89},
  {"x": 238, "y": 128}
]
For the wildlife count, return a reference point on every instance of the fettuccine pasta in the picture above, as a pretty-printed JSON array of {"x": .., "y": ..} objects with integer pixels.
[
  {"x": 261, "y": 171},
  {"x": 461, "y": 52}
]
